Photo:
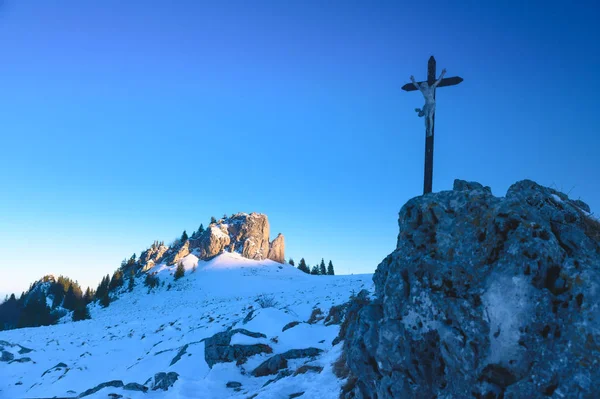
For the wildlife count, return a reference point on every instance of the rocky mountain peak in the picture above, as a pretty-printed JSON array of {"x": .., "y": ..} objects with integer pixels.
[
  {"x": 243, "y": 233},
  {"x": 483, "y": 297}
]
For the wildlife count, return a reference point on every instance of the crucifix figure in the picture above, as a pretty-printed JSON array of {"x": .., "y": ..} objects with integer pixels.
[
  {"x": 429, "y": 108},
  {"x": 428, "y": 88}
]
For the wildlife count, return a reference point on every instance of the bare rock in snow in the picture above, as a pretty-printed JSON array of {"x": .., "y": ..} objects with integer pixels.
[
  {"x": 279, "y": 361},
  {"x": 249, "y": 235},
  {"x": 277, "y": 249},
  {"x": 181, "y": 253},
  {"x": 113, "y": 384},
  {"x": 218, "y": 348},
  {"x": 152, "y": 256},
  {"x": 163, "y": 381},
  {"x": 246, "y": 234},
  {"x": 212, "y": 242},
  {"x": 270, "y": 366}
]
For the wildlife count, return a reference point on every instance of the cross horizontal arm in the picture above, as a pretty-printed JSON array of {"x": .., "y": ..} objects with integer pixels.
[{"x": 445, "y": 82}]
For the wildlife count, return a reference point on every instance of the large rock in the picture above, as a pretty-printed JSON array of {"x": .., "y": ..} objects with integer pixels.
[
  {"x": 6, "y": 356},
  {"x": 112, "y": 384},
  {"x": 246, "y": 234},
  {"x": 249, "y": 235},
  {"x": 270, "y": 366},
  {"x": 152, "y": 256},
  {"x": 212, "y": 242},
  {"x": 218, "y": 348},
  {"x": 277, "y": 249},
  {"x": 483, "y": 297},
  {"x": 163, "y": 381},
  {"x": 279, "y": 361},
  {"x": 134, "y": 386},
  {"x": 181, "y": 253}
]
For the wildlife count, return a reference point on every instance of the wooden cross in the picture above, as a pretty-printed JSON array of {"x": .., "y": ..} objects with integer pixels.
[{"x": 431, "y": 78}]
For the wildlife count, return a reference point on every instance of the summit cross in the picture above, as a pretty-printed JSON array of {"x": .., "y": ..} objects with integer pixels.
[{"x": 428, "y": 112}]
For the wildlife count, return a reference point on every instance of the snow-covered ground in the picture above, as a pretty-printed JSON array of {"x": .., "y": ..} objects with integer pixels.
[{"x": 141, "y": 334}]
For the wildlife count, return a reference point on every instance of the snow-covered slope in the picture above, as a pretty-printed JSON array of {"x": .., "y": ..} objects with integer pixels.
[{"x": 143, "y": 333}]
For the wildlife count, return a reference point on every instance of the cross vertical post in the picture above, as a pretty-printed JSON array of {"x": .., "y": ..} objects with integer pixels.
[{"x": 428, "y": 181}]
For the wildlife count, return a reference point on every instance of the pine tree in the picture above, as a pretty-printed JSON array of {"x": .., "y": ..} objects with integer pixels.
[
  {"x": 184, "y": 237},
  {"x": 58, "y": 294},
  {"x": 105, "y": 300},
  {"x": 116, "y": 280},
  {"x": 9, "y": 313},
  {"x": 131, "y": 283},
  {"x": 322, "y": 269},
  {"x": 213, "y": 220},
  {"x": 88, "y": 296},
  {"x": 180, "y": 271},
  {"x": 200, "y": 229},
  {"x": 35, "y": 313},
  {"x": 330, "y": 270},
  {"x": 70, "y": 301},
  {"x": 315, "y": 270},
  {"x": 151, "y": 281},
  {"x": 129, "y": 262},
  {"x": 102, "y": 288},
  {"x": 303, "y": 267},
  {"x": 291, "y": 262},
  {"x": 81, "y": 313}
]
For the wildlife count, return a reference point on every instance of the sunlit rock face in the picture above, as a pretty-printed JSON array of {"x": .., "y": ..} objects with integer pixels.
[
  {"x": 277, "y": 249},
  {"x": 249, "y": 235},
  {"x": 212, "y": 242},
  {"x": 246, "y": 234},
  {"x": 484, "y": 297}
]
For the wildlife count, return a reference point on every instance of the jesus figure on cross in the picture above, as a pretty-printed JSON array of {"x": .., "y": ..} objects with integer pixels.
[{"x": 429, "y": 93}]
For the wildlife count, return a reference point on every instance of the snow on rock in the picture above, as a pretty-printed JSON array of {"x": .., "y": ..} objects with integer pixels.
[{"x": 145, "y": 339}]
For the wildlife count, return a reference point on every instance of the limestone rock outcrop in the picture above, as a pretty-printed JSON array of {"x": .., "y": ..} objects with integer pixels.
[
  {"x": 243, "y": 233},
  {"x": 181, "y": 253},
  {"x": 152, "y": 256},
  {"x": 249, "y": 235},
  {"x": 212, "y": 242},
  {"x": 246, "y": 234},
  {"x": 277, "y": 249},
  {"x": 484, "y": 297}
]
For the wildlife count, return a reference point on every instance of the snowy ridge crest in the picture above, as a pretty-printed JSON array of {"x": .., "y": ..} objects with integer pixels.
[{"x": 230, "y": 327}]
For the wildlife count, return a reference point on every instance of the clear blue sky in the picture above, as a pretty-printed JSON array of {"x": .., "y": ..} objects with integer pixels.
[{"x": 123, "y": 122}]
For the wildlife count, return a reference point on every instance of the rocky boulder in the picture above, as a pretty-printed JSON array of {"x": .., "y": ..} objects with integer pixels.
[
  {"x": 484, "y": 297},
  {"x": 249, "y": 235},
  {"x": 270, "y": 366},
  {"x": 218, "y": 348},
  {"x": 279, "y": 361},
  {"x": 151, "y": 256},
  {"x": 277, "y": 249},
  {"x": 6, "y": 356},
  {"x": 246, "y": 234},
  {"x": 163, "y": 381},
  {"x": 134, "y": 386},
  {"x": 181, "y": 253},
  {"x": 212, "y": 242},
  {"x": 91, "y": 391}
]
